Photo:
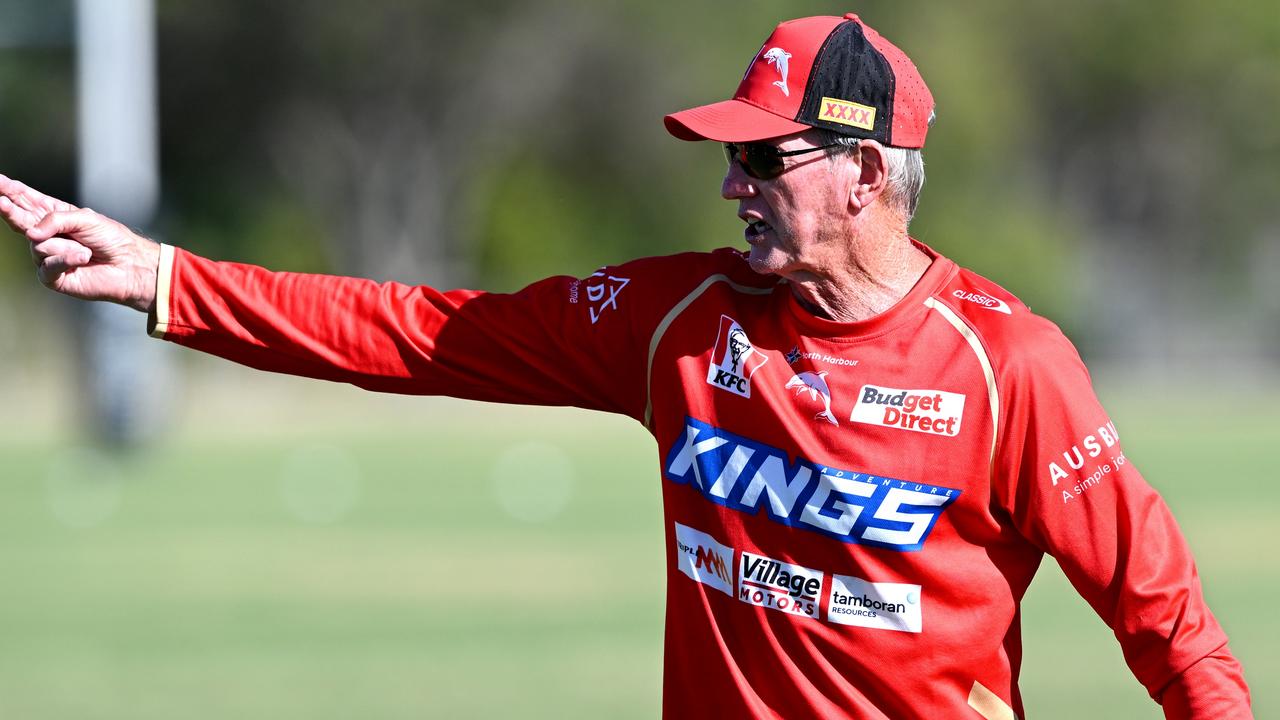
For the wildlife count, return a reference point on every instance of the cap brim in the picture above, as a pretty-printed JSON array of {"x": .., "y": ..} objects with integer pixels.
[{"x": 730, "y": 121}]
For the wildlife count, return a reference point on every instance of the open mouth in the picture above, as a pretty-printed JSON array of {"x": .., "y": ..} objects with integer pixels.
[{"x": 756, "y": 228}]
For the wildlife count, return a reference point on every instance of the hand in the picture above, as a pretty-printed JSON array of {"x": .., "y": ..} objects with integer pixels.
[{"x": 80, "y": 253}]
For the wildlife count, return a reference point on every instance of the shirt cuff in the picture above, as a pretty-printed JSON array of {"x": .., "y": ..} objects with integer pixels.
[{"x": 158, "y": 318}]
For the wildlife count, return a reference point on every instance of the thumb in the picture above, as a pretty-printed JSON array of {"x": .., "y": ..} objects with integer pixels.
[{"x": 68, "y": 223}]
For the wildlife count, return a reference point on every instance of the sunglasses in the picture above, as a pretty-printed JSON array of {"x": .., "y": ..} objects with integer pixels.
[{"x": 763, "y": 161}]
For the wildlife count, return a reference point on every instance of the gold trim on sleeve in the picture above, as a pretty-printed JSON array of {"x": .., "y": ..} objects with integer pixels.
[{"x": 164, "y": 285}]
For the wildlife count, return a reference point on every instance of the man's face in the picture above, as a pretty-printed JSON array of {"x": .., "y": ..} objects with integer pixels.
[{"x": 797, "y": 222}]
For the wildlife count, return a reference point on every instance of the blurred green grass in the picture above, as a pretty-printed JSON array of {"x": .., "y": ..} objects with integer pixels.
[{"x": 196, "y": 581}]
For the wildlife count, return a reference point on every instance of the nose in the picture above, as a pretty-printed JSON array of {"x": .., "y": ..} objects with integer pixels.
[{"x": 737, "y": 183}]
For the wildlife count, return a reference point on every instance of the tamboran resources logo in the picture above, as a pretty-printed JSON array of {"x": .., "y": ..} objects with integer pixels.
[
  {"x": 925, "y": 411},
  {"x": 888, "y": 606}
]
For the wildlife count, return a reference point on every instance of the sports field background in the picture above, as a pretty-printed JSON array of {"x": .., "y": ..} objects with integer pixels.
[
  {"x": 295, "y": 550},
  {"x": 302, "y": 550}
]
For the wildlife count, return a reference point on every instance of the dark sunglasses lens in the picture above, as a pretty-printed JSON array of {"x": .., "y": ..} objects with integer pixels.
[
  {"x": 757, "y": 160},
  {"x": 762, "y": 161}
]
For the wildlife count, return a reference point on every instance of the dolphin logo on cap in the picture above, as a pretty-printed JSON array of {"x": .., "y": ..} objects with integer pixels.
[{"x": 778, "y": 58}]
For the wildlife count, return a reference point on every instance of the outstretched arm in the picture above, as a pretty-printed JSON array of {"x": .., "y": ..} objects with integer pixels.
[
  {"x": 79, "y": 252},
  {"x": 561, "y": 341}
]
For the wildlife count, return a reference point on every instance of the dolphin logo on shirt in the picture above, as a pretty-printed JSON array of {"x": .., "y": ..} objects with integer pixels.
[
  {"x": 778, "y": 58},
  {"x": 815, "y": 384}
]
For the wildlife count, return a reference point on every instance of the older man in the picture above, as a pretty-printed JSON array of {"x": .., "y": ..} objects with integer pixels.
[{"x": 865, "y": 449}]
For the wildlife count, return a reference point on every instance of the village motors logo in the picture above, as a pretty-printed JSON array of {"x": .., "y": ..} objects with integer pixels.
[
  {"x": 780, "y": 586},
  {"x": 703, "y": 559},
  {"x": 734, "y": 359},
  {"x": 926, "y": 411},
  {"x": 886, "y": 606}
]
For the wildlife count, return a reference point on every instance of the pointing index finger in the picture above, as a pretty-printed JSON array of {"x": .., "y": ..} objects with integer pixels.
[{"x": 15, "y": 217}]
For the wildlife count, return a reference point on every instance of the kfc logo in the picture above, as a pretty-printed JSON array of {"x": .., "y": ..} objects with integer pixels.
[{"x": 734, "y": 359}]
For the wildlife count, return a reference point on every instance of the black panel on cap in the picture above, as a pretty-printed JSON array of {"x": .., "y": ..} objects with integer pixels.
[{"x": 847, "y": 67}]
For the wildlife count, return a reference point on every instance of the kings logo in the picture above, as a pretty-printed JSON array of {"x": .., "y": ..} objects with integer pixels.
[{"x": 734, "y": 359}]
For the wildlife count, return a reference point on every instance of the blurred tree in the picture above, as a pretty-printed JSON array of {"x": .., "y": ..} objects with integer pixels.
[
  {"x": 378, "y": 115},
  {"x": 1113, "y": 164},
  {"x": 1154, "y": 125}
]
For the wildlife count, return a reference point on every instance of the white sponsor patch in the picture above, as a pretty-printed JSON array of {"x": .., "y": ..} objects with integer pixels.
[
  {"x": 699, "y": 556},
  {"x": 777, "y": 585},
  {"x": 734, "y": 359},
  {"x": 886, "y": 606},
  {"x": 927, "y": 411},
  {"x": 985, "y": 301}
]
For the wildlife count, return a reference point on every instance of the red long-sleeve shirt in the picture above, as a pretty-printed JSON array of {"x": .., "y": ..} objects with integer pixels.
[{"x": 853, "y": 511}]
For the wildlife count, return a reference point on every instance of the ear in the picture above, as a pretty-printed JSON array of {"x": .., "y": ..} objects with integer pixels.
[{"x": 872, "y": 175}]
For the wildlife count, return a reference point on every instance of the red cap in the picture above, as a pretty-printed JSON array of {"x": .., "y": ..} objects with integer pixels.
[{"x": 827, "y": 72}]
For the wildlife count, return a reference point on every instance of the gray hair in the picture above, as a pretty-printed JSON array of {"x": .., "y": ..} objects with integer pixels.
[{"x": 905, "y": 167}]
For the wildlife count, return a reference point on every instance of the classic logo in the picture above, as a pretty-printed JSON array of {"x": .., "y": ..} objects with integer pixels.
[
  {"x": 757, "y": 479},
  {"x": 926, "y": 411},
  {"x": 704, "y": 559},
  {"x": 816, "y": 385},
  {"x": 985, "y": 301},
  {"x": 777, "y": 585},
  {"x": 734, "y": 359},
  {"x": 778, "y": 58},
  {"x": 886, "y": 606},
  {"x": 848, "y": 113}
]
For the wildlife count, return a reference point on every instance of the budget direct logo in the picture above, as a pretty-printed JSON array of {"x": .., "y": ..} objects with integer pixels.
[
  {"x": 926, "y": 411},
  {"x": 734, "y": 359},
  {"x": 703, "y": 559},
  {"x": 885, "y": 606},
  {"x": 776, "y": 585}
]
